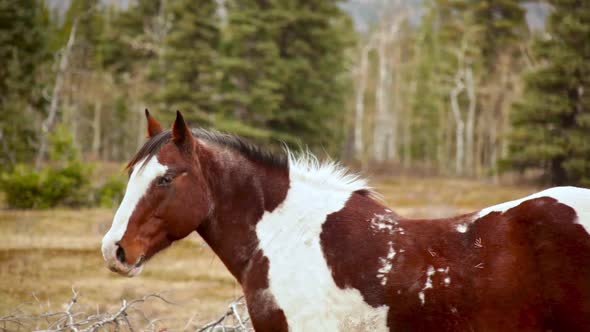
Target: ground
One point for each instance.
(43, 254)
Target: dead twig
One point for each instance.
(74, 319)
(235, 319)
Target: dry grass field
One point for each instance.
(43, 254)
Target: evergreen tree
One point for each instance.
(251, 66)
(552, 121)
(23, 50)
(189, 74)
(131, 27)
(313, 38)
(501, 25)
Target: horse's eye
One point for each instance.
(164, 180)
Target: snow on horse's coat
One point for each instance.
(315, 251)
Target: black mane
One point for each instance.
(251, 151)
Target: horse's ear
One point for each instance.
(153, 126)
(181, 134)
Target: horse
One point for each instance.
(315, 249)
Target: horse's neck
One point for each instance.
(258, 207)
(242, 191)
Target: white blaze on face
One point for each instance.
(139, 182)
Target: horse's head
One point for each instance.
(167, 198)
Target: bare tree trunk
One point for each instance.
(396, 112)
(472, 102)
(359, 114)
(382, 125)
(459, 127)
(49, 122)
(407, 126)
(385, 131)
(97, 130)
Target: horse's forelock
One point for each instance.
(149, 149)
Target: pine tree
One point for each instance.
(312, 40)
(501, 25)
(23, 50)
(189, 74)
(552, 121)
(130, 45)
(251, 66)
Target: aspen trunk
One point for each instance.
(385, 129)
(459, 128)
(96, 130)
(380, 133)
(49, 122)
(472, 102)
(359, 114)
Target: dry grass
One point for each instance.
(44, 253)
(443, 197)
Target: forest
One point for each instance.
(448, 106)
(443, 87)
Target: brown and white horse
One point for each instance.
(314, 251)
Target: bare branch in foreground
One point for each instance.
(235, 319)
(73, 318)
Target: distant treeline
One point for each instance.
(465, 90)
(471, 91)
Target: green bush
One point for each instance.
(64, 181)
(111, 192)
(52, 186)
(22, 187)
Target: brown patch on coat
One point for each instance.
(527, 269)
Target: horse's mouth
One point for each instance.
(139, 261)
(129, 270)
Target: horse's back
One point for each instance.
(522, 265)
(550, 234)
(576, 198)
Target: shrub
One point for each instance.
(66, 185)
(111, 192)
(63, 181)
(22, 187)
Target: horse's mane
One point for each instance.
(236, 143)
(304, 166)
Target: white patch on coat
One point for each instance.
(461, 228)
(139, 182)
(299, 277)
(383, 222)
(386, 264)
(576, 198)
(427, 285)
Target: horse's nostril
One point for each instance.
(120, 254)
